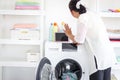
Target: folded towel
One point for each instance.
(27, 7)
(24, 26)
(28, 3)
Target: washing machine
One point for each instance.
(59, 53)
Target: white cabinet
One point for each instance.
(109, 11)
(16, 41)
(19, 45)
(111, 19)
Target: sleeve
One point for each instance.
(81, 33)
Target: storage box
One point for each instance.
(25, 34)
(32, 57)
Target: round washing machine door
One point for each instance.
(68, 66)
(44, 69)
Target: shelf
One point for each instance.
(21, 12)
(109, 14)
(115, 44)
(117, 66)
(21, 42)
(18, 64)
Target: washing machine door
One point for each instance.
(44, 69)
(68, 66)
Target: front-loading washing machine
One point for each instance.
(61, 54)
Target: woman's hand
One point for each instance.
(67, 30)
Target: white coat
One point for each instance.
(91, 31)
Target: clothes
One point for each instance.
(91, 31)
(101, 75)
(68, 67)
(46, 71)
(69, 76)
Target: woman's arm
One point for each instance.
(68, 32)
(81, 32)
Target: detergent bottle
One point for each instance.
(51, 32)
(55, 29)
(62, 27)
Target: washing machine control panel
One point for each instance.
(69, 47)
(61, 47)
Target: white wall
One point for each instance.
(58, 11)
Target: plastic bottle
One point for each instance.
(55, 29)
(51, 32)
(62, 27)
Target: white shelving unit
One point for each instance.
(18, 64)
(21, 42)
(111, 20)
(115, 44)
(8, 41)
(22, 12)
(13, 52)
(109, 15)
